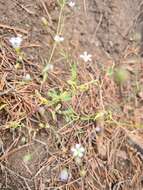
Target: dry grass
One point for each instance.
(31, 123)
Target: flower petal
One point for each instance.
(80, 154)
(73, 149)
(77, 146)
(82, 149)
(71, 4)
(75, 153)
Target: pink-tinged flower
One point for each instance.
(64, 175)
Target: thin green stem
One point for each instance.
(55, 43)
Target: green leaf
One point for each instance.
(69, 114)
(57, 97)
(110, 71)
(65, 96)
(83, 87)
(42, 99)
(121, 75)
(53, 94)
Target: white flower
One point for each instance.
(48, 67)
(16, 41)
(86, 57)
(64, 175)
(27, 77)
(78, 151)
(58, 38)
(71, 4)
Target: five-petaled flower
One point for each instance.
(16, 42)
(58, 38)
(78, 151)
(86, 57)
(71, 4)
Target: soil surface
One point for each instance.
(110, 30)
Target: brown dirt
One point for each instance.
(107, 30)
